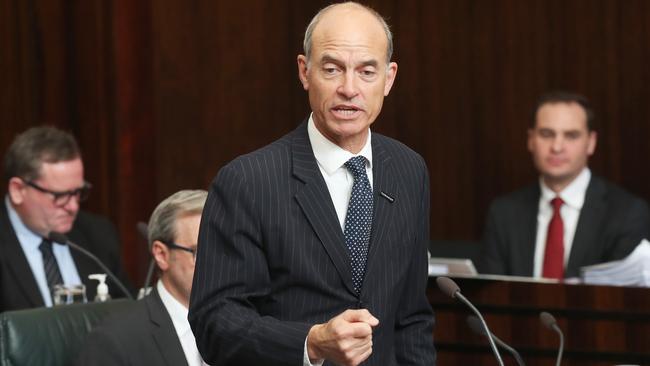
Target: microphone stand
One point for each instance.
(451, 289)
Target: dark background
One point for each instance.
(161, 93)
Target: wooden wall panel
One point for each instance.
(161, 94)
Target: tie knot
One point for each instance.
(356, 166)
(557, 203)
(46, 246)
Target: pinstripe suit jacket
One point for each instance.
(272, 259)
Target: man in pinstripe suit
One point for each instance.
(274, 278)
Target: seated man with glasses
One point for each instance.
(45, 187)
(155, 331)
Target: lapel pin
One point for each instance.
(386, 196)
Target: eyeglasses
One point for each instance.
(172, 245)
(62, 198)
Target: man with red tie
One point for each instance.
(570, 218)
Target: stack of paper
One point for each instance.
(634, 270)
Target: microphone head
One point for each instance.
(547, 319)
(58, 237)
(143, 229)
(475, 325)
(447, 286)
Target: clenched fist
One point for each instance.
(345, 339)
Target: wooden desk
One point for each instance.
(602, 325)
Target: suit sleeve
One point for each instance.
(635, 227)
(414, 321)
(493, 259)
(231, 278)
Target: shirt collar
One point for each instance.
(177, 311)
(330, 156)
(27, 238)
(573, 195)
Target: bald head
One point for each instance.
(347, 72)
(349, 13)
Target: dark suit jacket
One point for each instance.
(18, 288)
(611, 224)
(272, 259)
(141, 335)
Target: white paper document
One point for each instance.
(634, 270)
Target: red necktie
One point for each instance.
(554, 253)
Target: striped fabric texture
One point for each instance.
(272, 259)
(52, 272)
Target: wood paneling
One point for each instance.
(163, 93)
(602, 325)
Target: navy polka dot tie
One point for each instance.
(358, 222)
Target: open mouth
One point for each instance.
(345, 111)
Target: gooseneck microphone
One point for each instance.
(63, 239)
(549, 322)
(451, 289)
(476, 326)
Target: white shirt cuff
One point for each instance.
(305, 358)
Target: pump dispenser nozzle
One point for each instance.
(102, 288)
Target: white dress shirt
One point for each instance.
(574, 198)
(29, 242)
(331, 159)
(178, 313)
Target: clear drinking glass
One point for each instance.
(69, 294)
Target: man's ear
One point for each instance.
(531, 137)
(160, 254)
(391, 73)
(593, 140)
(16, 189)
(302, 71)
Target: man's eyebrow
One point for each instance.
(328, 58)
(372, 63)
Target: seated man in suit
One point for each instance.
(45, 187)
(155, 331)
(570, 218)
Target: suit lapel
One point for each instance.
(384, 181)
(528, 230)
(16, 261)
(316, 203)
(163, 331)
(591, 215)
(85, 265)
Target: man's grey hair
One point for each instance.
(35, 146)
(162, 224)
(306, 44)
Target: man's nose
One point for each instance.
(348, 87)
(73, 203)
(558, 144)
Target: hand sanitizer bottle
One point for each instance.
(102, 288)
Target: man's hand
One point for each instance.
(345, 339)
